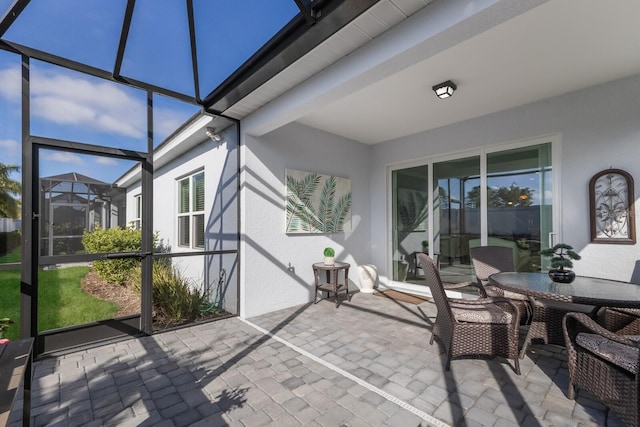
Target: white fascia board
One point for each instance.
(171, 149)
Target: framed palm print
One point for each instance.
(611, 200)
(317, 203)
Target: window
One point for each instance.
(191, 211)
(137, 215)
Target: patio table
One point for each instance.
(547, 318)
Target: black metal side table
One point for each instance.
(331, 282)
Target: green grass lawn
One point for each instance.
(13, 256)
(61, 301)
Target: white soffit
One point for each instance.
(555, 48)
(375, 21)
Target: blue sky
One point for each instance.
(73, 106)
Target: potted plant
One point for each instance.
(425, 246)
(329, 256)
(561, 262)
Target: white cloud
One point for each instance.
(77, 101)
(87, 103)
(9, 146)
(106, 161)
(63, 157)
(10, 87)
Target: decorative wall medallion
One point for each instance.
(611, 204)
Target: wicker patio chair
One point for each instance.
(622, 321)
(605, 364)
(625, 321)
(472, 327)
(488, 260)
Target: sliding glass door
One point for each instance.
(410, 214)
(498, 197)
(456, 216)
(519, 202)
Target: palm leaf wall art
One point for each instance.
(317, 203)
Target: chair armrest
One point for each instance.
(504, 303)
(451, 286)
(574, 323)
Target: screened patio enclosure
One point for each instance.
(72, 203)
(98, 92)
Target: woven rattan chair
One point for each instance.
(605, 364)
(624, 321)
(488, 260)
(472, 327)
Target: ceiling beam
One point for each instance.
(124, 36)
(194, 50)
(92, 71)
(289, 45)
(11, 15)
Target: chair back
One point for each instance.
(433, 280)
(488, 260)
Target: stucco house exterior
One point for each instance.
(577, 133)
(544, 97)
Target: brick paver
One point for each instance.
(365, 363)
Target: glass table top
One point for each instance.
(582, 290)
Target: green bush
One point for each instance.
(113, 240)
(9, 241)
(175, 297)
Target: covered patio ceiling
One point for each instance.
(500, 53)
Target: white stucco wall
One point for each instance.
(598, 127)
(219, 163)
(268, 283)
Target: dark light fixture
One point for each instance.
(213, 134)
(445, 89)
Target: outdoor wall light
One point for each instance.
(211, 133)
(445, 89)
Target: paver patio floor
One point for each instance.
(366, 363)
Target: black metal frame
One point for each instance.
(317, 21)
(53, 341)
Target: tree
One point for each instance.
(501, 197)
(9, 205)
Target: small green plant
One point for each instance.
(176, 298)
(425, 245)
(4, 324)
(329, 252)
(561, 256)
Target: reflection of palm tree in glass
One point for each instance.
(9, 206)
(413, 211)
(501, 197)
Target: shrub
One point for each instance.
(175, 298)
(9, 241)
(113, 240)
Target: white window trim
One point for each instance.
(191, 213)
(137, 211)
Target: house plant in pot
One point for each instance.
(329, 256)
(562, 257)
